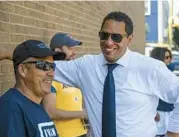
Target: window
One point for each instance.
(147, 5)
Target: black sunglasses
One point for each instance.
(114, 36)
(42, 65)
(167, 57)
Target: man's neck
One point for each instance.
(27, 93)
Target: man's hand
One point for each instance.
(171, 134)
(85, 116)
(4, 54)
(157, 117)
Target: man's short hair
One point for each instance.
(120, 17)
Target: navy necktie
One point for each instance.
(109, 105)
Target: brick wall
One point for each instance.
(21, 20)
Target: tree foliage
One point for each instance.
(176, 36)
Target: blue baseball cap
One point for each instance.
(61, 39)
(34, 48)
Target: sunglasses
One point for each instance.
(114, 36)
(167, 57)
(42, 65)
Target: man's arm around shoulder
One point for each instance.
(171, 134)
(4, 54)
(49, 103)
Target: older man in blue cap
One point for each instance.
(64, 104)
(21, 113)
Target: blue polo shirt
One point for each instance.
(20, 117)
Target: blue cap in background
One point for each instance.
(61, 39)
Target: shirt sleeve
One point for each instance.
(166, 84)
(11, 120)
(166, 87)
(68, 72)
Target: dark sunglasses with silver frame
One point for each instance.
(42, 65)
(114, 36)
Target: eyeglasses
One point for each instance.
(114, 36)
(167, 57)
(42, 65)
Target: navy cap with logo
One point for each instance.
(61, 39)
(34, 48)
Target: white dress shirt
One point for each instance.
(139, 83)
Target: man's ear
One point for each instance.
(130, 37)
(22, 70)
(58, 49)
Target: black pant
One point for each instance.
(160, 135)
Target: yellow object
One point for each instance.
(69, 99)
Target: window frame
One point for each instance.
(147, 5)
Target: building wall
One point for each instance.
(22, 20)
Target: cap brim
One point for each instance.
(56, 55)
(79, 43)
(72, 42)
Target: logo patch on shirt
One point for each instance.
(76, 98)
(47, 129)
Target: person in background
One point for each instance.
(64, 98)
(21, 113)
(164, 109)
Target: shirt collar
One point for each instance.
(123, 61)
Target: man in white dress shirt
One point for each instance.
(139, 82)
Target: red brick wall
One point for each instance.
(21, 20)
